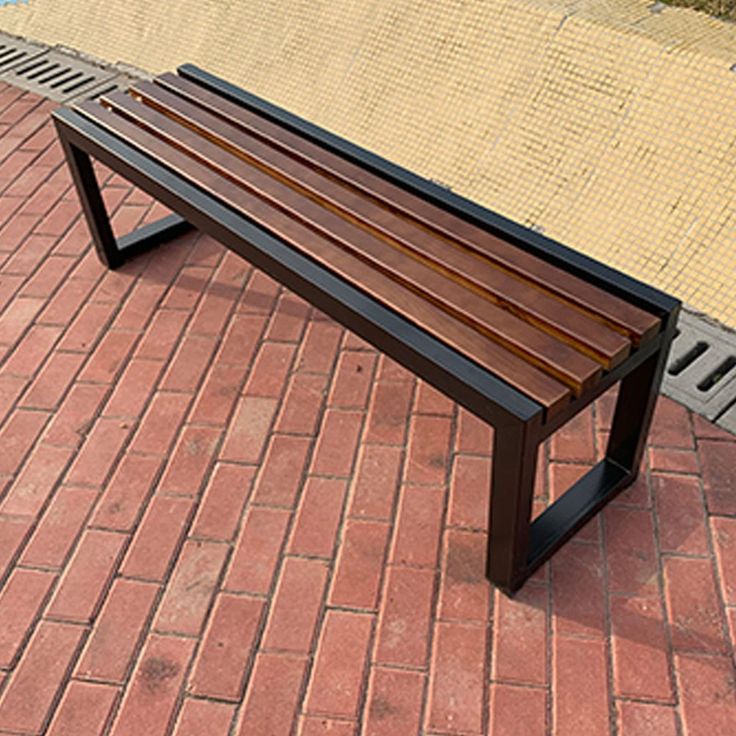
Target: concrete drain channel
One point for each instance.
(702, 370)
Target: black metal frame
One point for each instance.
(517, 546)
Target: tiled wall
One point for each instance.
(608, 125)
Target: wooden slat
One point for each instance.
(619, 314)
(550, 393)
(555, 357)
(522, 298)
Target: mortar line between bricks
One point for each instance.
(647, 701)
(75, 544)
(283, 555)
(248, 504)
(717, 577)
(700, 653)
(213, 461)
(43, 568)
(210, 699)
(666, 446)
(399, 667)
(276, 341)
(685, 555)
(465, 624)
(520, 684)
(676, 473)
(717, 440)
(661, 703)
(66, 622)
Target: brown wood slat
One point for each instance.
(541, 349)
(548, 392)
(523, 299)
(617, 313)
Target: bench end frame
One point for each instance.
(518, 546)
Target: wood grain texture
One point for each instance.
(496, 358)
(618, 314)
(555, 357)
(476, 272)
(543, 330)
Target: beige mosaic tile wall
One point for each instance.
(610, 126)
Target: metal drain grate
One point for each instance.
(13, 52)
(57, 76)
(59, 73)
(119, 82)
(702, 370)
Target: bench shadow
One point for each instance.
(152, 269)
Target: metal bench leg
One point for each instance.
(113, 253)
(517, 547)
(584, 499)
(512, 493)
(634, 411)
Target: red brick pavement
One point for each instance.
(222, 514)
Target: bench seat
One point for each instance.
(519, 329)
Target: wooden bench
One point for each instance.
(515, 327)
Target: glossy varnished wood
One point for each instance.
(474, 271)
(550, 393)
(547, 332)
(602, 306)
(540, 349)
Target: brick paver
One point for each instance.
(222, 514)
